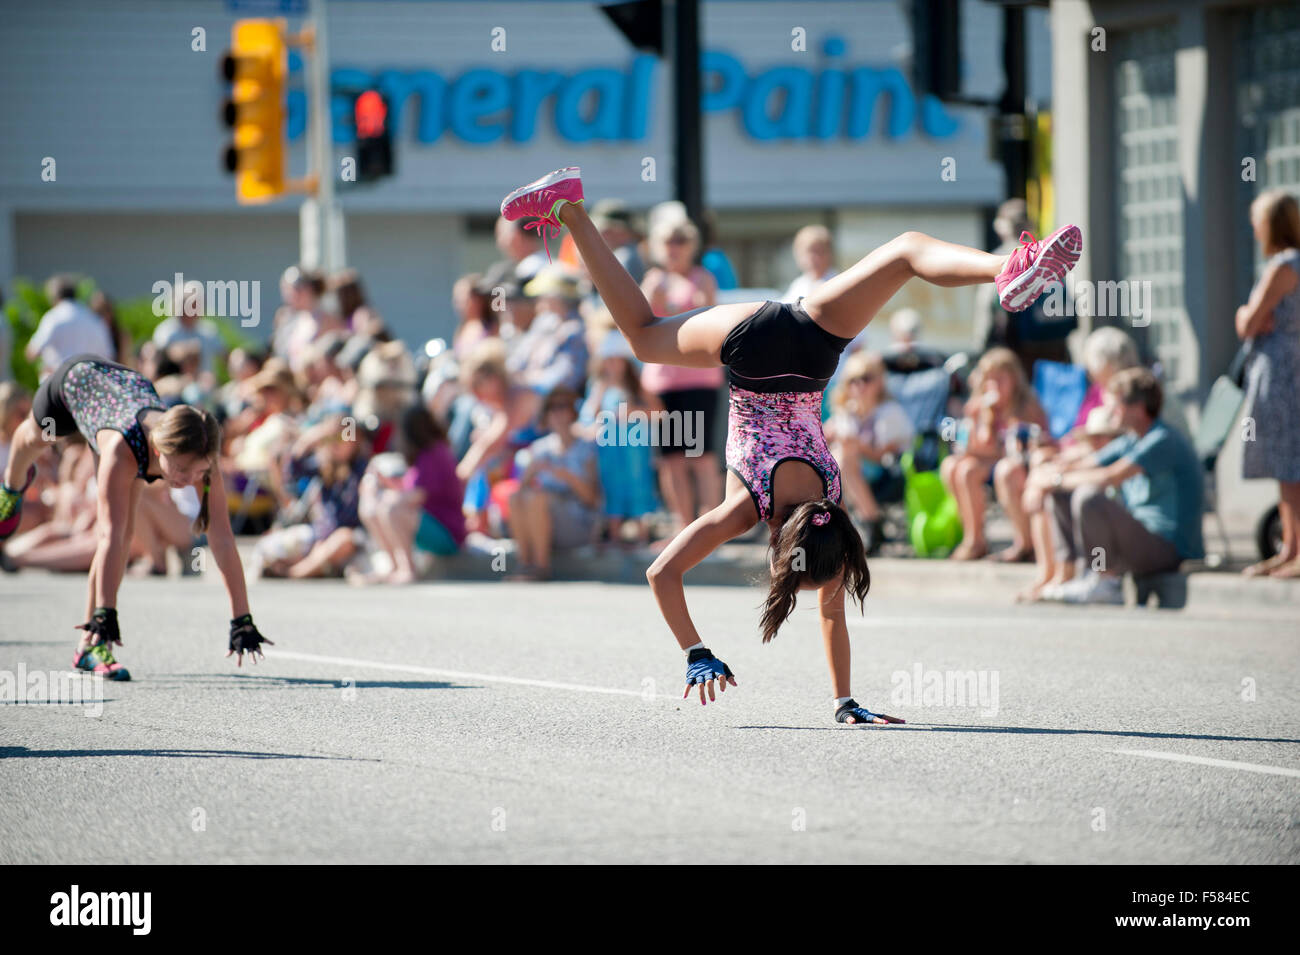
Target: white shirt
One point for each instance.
(172, 332)
(68, 329)
(803, 285)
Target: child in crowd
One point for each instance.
(1000, 417)
(421, 508)
(866, 429)
(558, 500)
(627, 475)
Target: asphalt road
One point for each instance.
(492, 722)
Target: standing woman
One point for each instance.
(692, 484)
(123, 420)
(1270, 324)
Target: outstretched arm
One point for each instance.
(835, 634)
(703, 536)
(221, 541)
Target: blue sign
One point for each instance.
(601, 104)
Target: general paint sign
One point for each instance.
(838, 100)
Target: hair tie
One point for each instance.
(822, 518)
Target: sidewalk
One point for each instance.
(745, 564)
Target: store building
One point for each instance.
(808, 115)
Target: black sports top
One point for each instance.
(781, 349)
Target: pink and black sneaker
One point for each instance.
(543, 200)
(11, 505)
(1036, 265)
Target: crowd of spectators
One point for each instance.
(349, 453)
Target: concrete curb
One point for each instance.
(746, 565)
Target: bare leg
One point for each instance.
(1009, 482)
(1289, 513)
(402, 520)
(333, 551)
(27, 446)
(856, 489)
(847, 303)
(708, 483)
(693, 339)
(682, 494)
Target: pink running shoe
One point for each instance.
(1035, 265)
(543, 199)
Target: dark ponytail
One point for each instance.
(816, 543)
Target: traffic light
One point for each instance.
(936, 47)
(374, 137)
(256, 66)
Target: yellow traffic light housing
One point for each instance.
(257, 67)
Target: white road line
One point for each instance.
(1207, 761)
(456, 674)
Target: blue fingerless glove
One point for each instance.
(702, 666)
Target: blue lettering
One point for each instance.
(474, 97)
(868, 85)
(792, 122)
(780, 103)
(531, 90)
(636, 104)
(935, 120)
(602, 119)
(730, 81)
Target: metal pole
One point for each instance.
(688, 142)
(321, 227)
(1014, 126)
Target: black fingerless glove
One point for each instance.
(244, 636)
(102, 627)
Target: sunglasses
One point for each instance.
(677, 240)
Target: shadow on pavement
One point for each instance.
(22, 752)
(1046, 730)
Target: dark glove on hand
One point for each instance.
(702, 666)
(102, 627)
(245, 638)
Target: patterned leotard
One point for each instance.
(764, 430)
(779, 362)
(101, 395)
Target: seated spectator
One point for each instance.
(1155, 523)
(552, 352)
(623, 455)
(66, 541)
(499, 420)
(1106, 351)
(905, 353)
(616, 224)
(557, 504)
(421, 508)
(327, 463)
(814, 254)
(867, 429)
(354, 314)
(385, 382)
(1000, 418)
(185, 323)
(472, 303)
